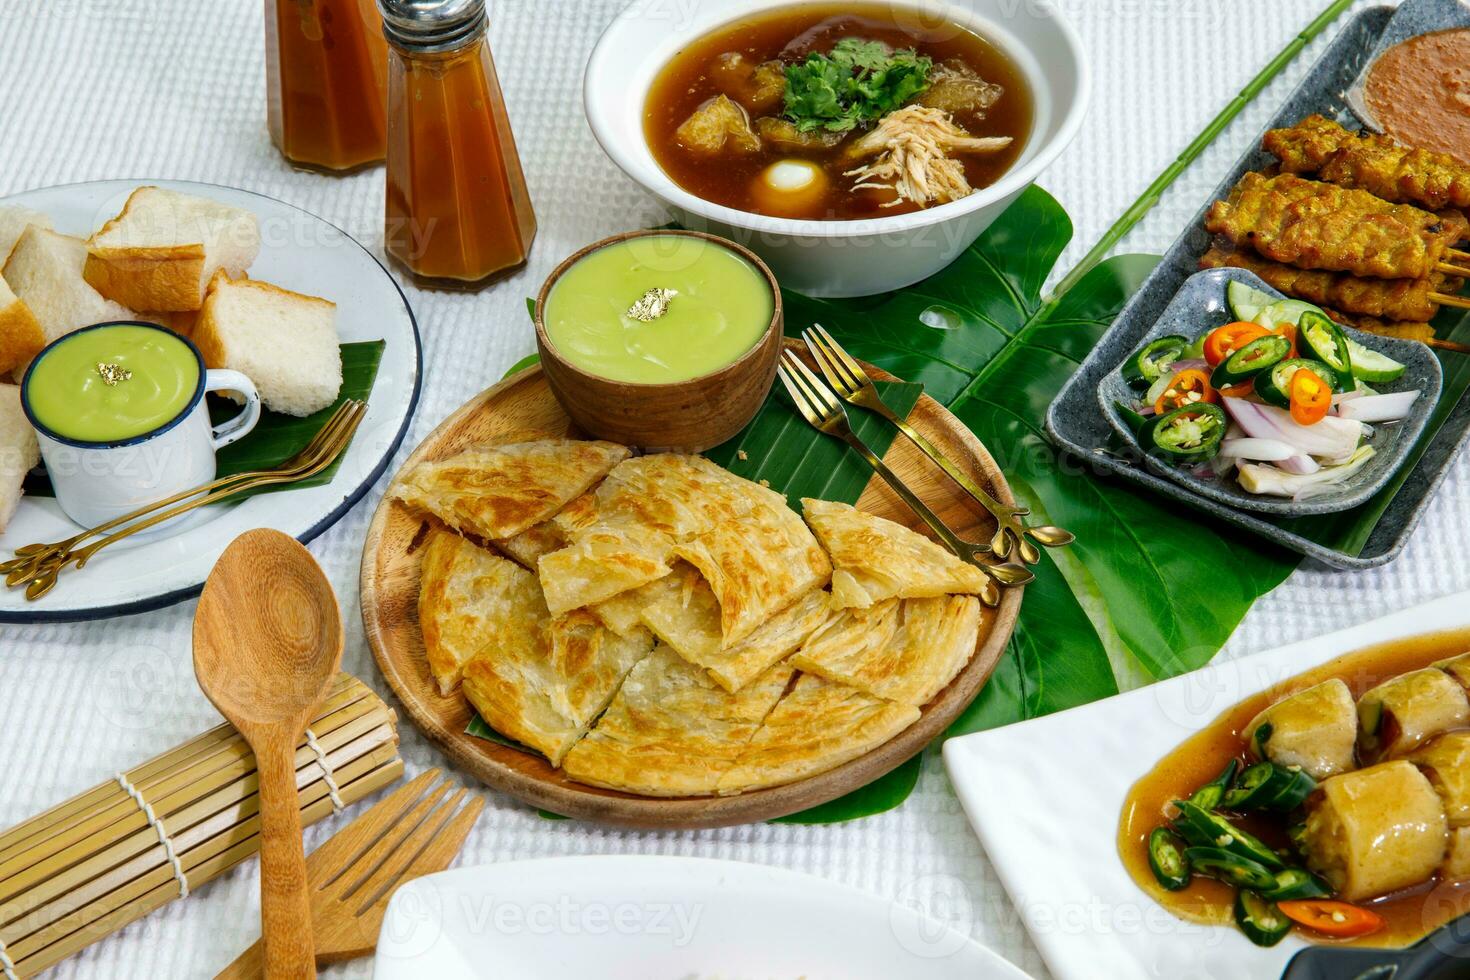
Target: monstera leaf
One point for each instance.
(1150, 589)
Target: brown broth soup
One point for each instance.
(725, 62)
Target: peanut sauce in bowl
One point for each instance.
(1418, 91)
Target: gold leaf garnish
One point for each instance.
(111, 374)
(652, 304)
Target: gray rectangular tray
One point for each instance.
(1073, 420)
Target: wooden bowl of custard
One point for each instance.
(608, 340)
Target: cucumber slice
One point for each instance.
(1246, 301)
(1284, 311)
(1372, 365)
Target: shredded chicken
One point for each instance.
(913, 147)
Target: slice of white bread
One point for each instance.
(21, 337)
(163, 248)
(45, 271)
(13, 221)
(285, 342)
(18, 451)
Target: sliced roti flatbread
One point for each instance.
(466, 592)
(498, 492)
(623, 613)
(600, 564)
(671, 731)
(818, 726)
(542, 680)
(754, 552)
(903, 650)
(757, 564)
(875, 559)
(528, 547)
(689, 622)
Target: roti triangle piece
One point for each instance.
(688, 620)
(757, 565)
(499, 491)
(528, 546)
(754, 551)
(875, 559)
(462, 598)
(903, 650)
(623, 613)
(818, 726)
(671, 731)
(542, 680)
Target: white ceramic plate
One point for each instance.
(663, 918)
(298, 251)
(1044, 797)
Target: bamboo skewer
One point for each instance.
(1443, 299)
(1457, 254)
(87, 867)
(1453, 270)
(1449, 345)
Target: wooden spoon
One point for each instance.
(267, 645)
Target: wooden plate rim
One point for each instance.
(680, 813)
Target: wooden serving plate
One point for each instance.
(522, 407)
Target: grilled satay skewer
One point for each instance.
(1370, 162)
(1412, 300)
(1314, 225)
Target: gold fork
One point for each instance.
(852, 384)
(353, 875)
(33, 554)
(820, 407)
(41, 574)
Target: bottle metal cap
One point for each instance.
(432, 25)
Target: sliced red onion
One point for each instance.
(1346, 396)
(1194, 363)
(1379, 408)
(1261, 450)
(1331, 438)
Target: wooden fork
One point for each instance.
(411, 833)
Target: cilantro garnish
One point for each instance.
(859, 82)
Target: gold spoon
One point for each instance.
(267, 645)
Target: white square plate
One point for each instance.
(1044, 796)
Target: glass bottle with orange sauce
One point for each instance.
(458, 213)
(326, 82)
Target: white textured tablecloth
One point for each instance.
(94, 89)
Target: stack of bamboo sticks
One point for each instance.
(87, 868)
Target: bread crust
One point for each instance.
(162, 278)
(21, 336)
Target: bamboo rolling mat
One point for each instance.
(90, 866)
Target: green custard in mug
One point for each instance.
(715, 306)
(154, 376)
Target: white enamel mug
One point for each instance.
(96, 482)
